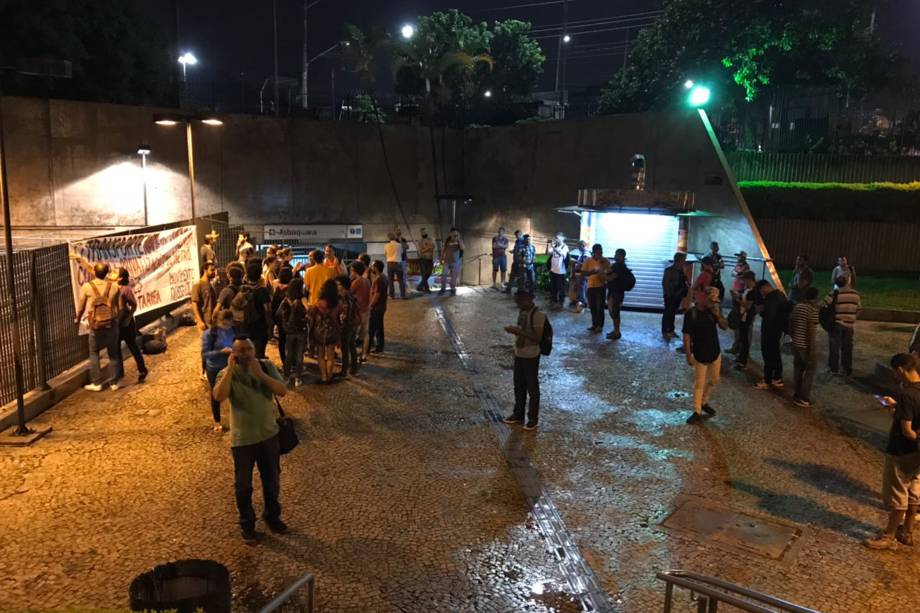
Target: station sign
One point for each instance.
(294, 234)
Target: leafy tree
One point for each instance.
(745, 49)
(117, 52)
(517, 61)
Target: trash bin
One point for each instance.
(184, 586)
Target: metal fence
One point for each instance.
(822, 168)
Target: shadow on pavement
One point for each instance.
(831, 480)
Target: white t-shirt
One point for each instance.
(557, 258)
(393, 250)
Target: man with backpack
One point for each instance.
(620, 280)
(251, 306)
(99, 303)
(235, 273)
(292, 319)
(533, 338)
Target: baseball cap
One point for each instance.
(741, 254)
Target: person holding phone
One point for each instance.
(901, 475)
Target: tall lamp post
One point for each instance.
(144, 151)
(169, 120)
(187, 59)
(334, 47)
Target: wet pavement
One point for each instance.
(406, 495)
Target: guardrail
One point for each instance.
(309, 580)
(711, 591)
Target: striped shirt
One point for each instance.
(803, 325)
(848, 306)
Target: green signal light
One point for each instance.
(699, 96)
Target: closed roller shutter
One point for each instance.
(650, 242)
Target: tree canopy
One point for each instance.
(743, 49)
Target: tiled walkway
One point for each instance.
(400, 497)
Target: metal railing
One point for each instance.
(710, 592)
(307, 580)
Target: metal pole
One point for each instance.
(305, 73)
(333, 92)
(275, 44)
(21, 428)
(191, 166)
(565, 58)
(38, 325)
(144, 175)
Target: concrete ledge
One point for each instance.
(890, 315)
(73, 379)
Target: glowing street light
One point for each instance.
(488, 93)
(187, 59)
(566, 39)
(699, 96)
(688, 84)
(407, 31)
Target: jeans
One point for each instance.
(349, 350)
(671, 306)
(513, 276)
(772, 357)
(581, 289)
(267, 456)
(451, 268)
(295, 345)
(705, 379)
(596, 296)
(427, 266)
(527, 383)
(128, 334)
(108, 340)
(805, 362)
(396, 273)
(745, 334)
(557, 287)
(527, 278)
(841, 349)
(375, 326)
(212, 381)
(282, 343)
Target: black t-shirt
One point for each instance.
(704, 335)
(618, 285)
(774, 310)
(908, 409)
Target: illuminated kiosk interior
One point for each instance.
(650, 226)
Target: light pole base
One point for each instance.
(13, 437)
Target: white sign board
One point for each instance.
(162, 265)
(310, 234)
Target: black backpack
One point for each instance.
(546, 340)
(243, 306)
(827, 316)
(629, 282)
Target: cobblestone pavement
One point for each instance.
(400, 498)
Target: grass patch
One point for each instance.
(876, 291)
(851, 187)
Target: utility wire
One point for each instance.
(649, 15)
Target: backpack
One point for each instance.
(827, 316)
(629, 282)
(352, 315)
(243, 306)
(101, 315)
(325, 329)
(546, 340)
(294, 316)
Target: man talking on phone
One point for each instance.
(901, 475)
(250, 383)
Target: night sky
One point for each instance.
(234, 36)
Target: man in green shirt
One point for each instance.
(250, 383)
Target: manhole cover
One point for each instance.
(725, 527)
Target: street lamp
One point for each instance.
(187, 59)
(488, 93)
(174, 120)
(699, 96)
(407, 31)
(143, 151)
(566, 39)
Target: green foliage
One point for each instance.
(517, 62)
(881, 202)
(743, 49)
(367, 111)
(876, 291)
(360, 54)
(118, 52)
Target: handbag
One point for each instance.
(287, 436)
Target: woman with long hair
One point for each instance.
(127, 327)
(326, 328)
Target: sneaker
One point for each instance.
(513, 420)
(277, 526)
(453, 292)
(249, 536)
(762, 385)
(218, 428)
(114, 386)
(709, 410)
(614, 335)
(778, 384)
(141, 377)
(904, 537)
(801, 403)
(882, 542)
(93, 387)
(203, 376)
(531, 425)
(695, 419)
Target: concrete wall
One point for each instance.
(74, 164)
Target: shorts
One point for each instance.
(901, 481)
(614, 302)
(499, 263)
(363, 328)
